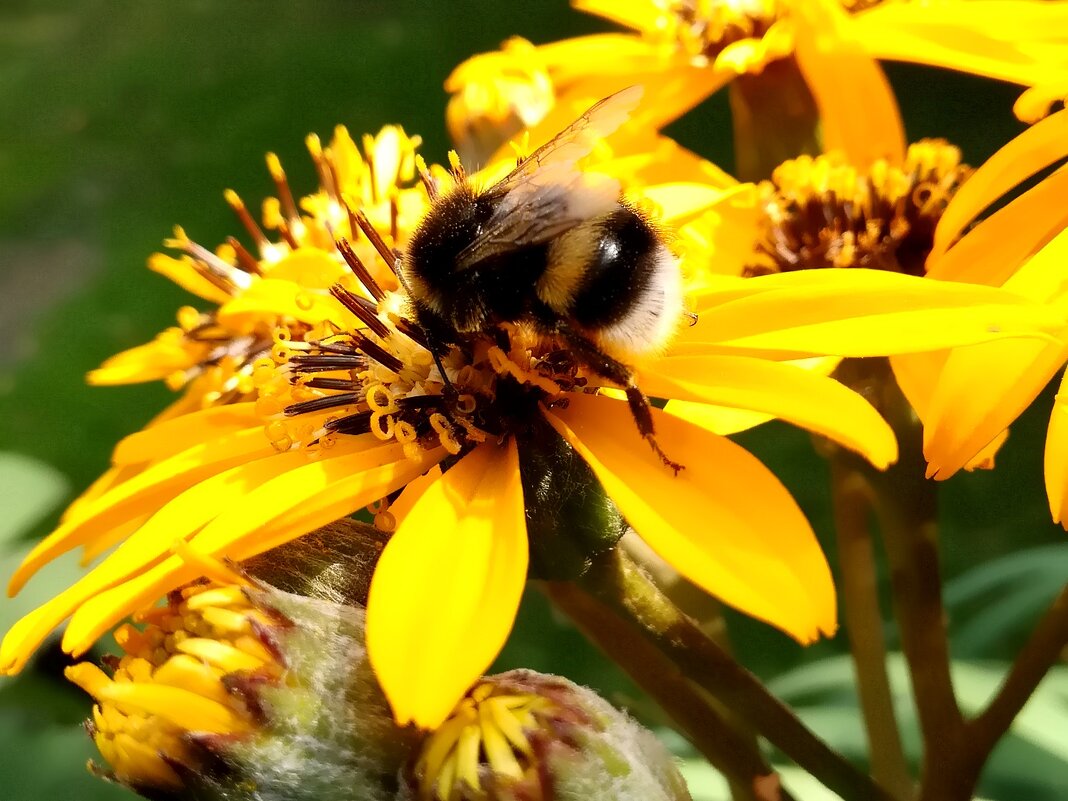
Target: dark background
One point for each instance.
(119, 119)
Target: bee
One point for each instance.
(554, 249)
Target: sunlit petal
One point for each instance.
(1056, 457)
(725, 522)
(445, 592)
(1031, 151)
(981, 390)
(782, 390)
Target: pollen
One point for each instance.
(739, 33)
(823, 212)
(174, 678)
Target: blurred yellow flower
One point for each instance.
(684, 50)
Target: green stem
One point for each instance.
(619, 583)
(736, 757)
(906, 504)
(1045, 646)
(864, 624)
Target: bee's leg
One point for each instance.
(614, 370)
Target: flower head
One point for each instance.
(522, 735)
(479, 457)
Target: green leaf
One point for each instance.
(29, 490)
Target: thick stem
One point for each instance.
(624, 587)
(864, 624)
(907, 508)
(774, 117)
(732, 754)
(1045, 646)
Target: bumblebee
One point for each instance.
(556, 250)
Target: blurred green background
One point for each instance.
(122, 118)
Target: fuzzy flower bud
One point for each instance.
(525, 736)
(240, 691)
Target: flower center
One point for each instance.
(822, 212)
(705, 28)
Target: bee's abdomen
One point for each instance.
(618, 270)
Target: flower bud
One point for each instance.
(237, 691)
(525, 736)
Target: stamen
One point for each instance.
(285, 194)
(315, 148)
(376, 352)
(372, 234)
(245, 260)
(254, 230)
(429, 183)
(320, 404)
(324, 364)
(359, 270)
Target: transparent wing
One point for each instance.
(546, 194)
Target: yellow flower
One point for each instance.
(476, 469)
(974, 394)
(682, 51)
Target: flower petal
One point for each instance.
(271, 298)
(357, 480)
(445, 592)
(168, 437)
(994, 249)
(184, 273)
(143, 494)
(724, 522)
(1033, 150)
(1010, 41)
(856, 312)
(783, 390)
(166, 354)
(858, 112)
(1056, 457)
(981, 390)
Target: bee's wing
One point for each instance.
(546, 194)
(576, 140)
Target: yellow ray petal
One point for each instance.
(311, 268)
(1035, 103)
(445, 592)
(856, 312)
(176, 435)
(995, 248)
(858, 113)
(270, 299)
(183, 273)
(917, 375)
(352, 490)
(1056, 457)
(725, 522)
(992, 38)
(1033, 150)
(144, 493)
(178, 519)
(640, 16)
(161, 357)
(786, 391)
(982, 389)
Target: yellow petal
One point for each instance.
(168, 353)
(354, 485)
(982, 389)
(269, 299)
(1031, 151)
(786, 391)
(178, 519)
(856, 312)
(1035, 103)
(858, 113)
(995, 248)
(310, 268)
(183, 273)
(638, 15)
(1056, 457)
(1013, 41)
(445, 592)
(144, 493)
(173, 436)
(724, 522)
